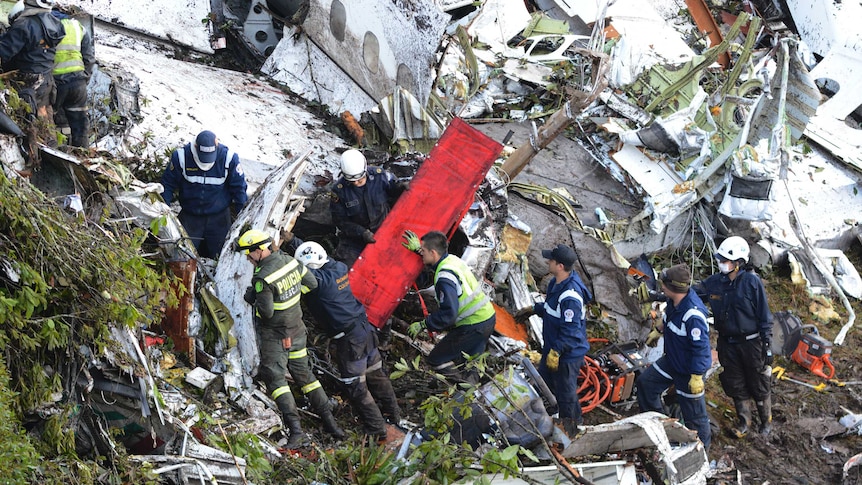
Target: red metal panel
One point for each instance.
(441, 190)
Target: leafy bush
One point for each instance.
(18, 457)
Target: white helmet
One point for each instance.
(311, 254)
(353, 165)
(733, 248)
(40, 3)
(15, 11)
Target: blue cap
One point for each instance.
(206, 145)
(561, 254)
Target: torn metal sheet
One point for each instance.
(377, 45)
(497, 22)
(685, 463)
(401, 117)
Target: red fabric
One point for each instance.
(440, 192)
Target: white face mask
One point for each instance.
(726, 267)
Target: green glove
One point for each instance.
(695, 384)
(652, 338)
(553, 360)
(415, 327)
(411, 241)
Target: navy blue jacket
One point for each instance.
(686, 336)
(739, 306)
(447, 297)
(564, 319)
(355, 209)
(207, 192)
(30, 43)
(332, 303)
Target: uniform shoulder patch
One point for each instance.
(258, 286)
(696, 334)
(569, 314)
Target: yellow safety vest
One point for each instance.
(474, 306)
(68, 57)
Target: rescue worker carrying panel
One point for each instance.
(343, 318)
(360, 201)
(465, 311)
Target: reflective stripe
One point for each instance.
(690, 395)
(374, 367)
(284, 305)
(338, 335)
(281, 272)
(298, 354)
(351, 380)
(281, 390)
(681, 330)
(661, 371)
(473, 307)
(556, 312)
(444, 365)
(181, 157)
(68, 57)
(311, 386)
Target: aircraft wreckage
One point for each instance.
(679, 129)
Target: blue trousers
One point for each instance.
(564, 384)
(656, 379)
(207, 232)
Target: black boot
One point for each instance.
(764, 412)
(331, 426)
(743, 413)
(570, 426)
(380, 387)
(373, 423)
(297, 438)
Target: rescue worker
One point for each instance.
(687, 355)
(28, 47)
(343, 319)
(208, 178)
(73, 65)
(744, 324)
(465, 312)
(277, 284)
(359, 204)
(564, 332)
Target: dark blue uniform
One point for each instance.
(356, 209)
(205, 195)
(744, 325)
(686, 352)
(564, 329)
(344, 320)
(28, 47)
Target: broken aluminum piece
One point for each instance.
(401, 116)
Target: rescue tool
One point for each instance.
(780, 375)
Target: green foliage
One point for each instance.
(248, 447)
(66, 281)
(18, 458)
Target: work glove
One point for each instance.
(767, 352)
(553, 360)
(368, 236)
(523, 314)
(535, 357)
(250, 295)
(652, 338)
(411, 241)
(415, 327)
(695, 384)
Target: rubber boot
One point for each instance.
(373, 423)
(331, 426)
(764, 412)
(381, 388)
(297, 438)
(743, 413)
(570, 426)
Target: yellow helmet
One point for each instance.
(251, 240)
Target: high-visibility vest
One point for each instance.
(68, 57)
(474, 306)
